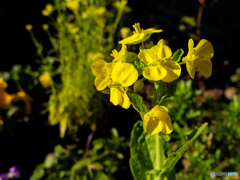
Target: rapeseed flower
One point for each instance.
(199, 58)
(48, 10)
(160, 66)
(122, 76)
(123, 55)
(22, 96)
(102, 70)
(45, 79)
(157, 120)
(139, 35)
(73, 4)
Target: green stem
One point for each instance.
(159, 154)
(182, 63)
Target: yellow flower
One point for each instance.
(5, 100)
(3, 84)
(157, 120)
(199, 58)
(122, 76)
(123, 55)
(48, 10)
(45, 26)
(22, 96)
(45, 79)
(139, 35)
(73, 4)
(102, 71)
(160, 66)
(28, 27)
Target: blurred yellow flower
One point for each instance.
(157, 120)
(45, 26)
(45, 79)
(199, 58)
(28, 27)
(123, 75)
(22, 96)
(6, 99)
(48, 10)
(139, 35)
(125, 32)
(73, 4)
(160, 66)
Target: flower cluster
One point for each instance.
(157, 63)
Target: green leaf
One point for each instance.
(11, 111)
(100, 176)
(140, 161)
(175, 156)
(58, 150)
(50, 160)
(114, 134)
(38, 172)
(136, 101)
(79, 165)
(177, 55)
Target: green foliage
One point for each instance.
(143, 153)
(102, 161)
(140, 160)
(174, 157)
(136, 101)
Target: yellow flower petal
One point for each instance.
(114, 96)
(190, 68)
(134, 39)
(190, 47)
(204, 66)
(173, 71)
(154, 73)
(119, 97)
(124, 74)
(204, 49)
(157, 120)
(97, 66)
(161, 50)
(102, 81)
(147, 56)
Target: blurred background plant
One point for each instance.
(60, 83)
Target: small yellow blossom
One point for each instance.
(199, 58)
(160, 66)
(123, 75)
(45, 26)
(48, 10)
(125, 32)
(73, 4)
(28, 27)
(139, 35)
(123, 55)
(45, 79)
(157, 120)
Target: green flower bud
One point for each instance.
(138, 85)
